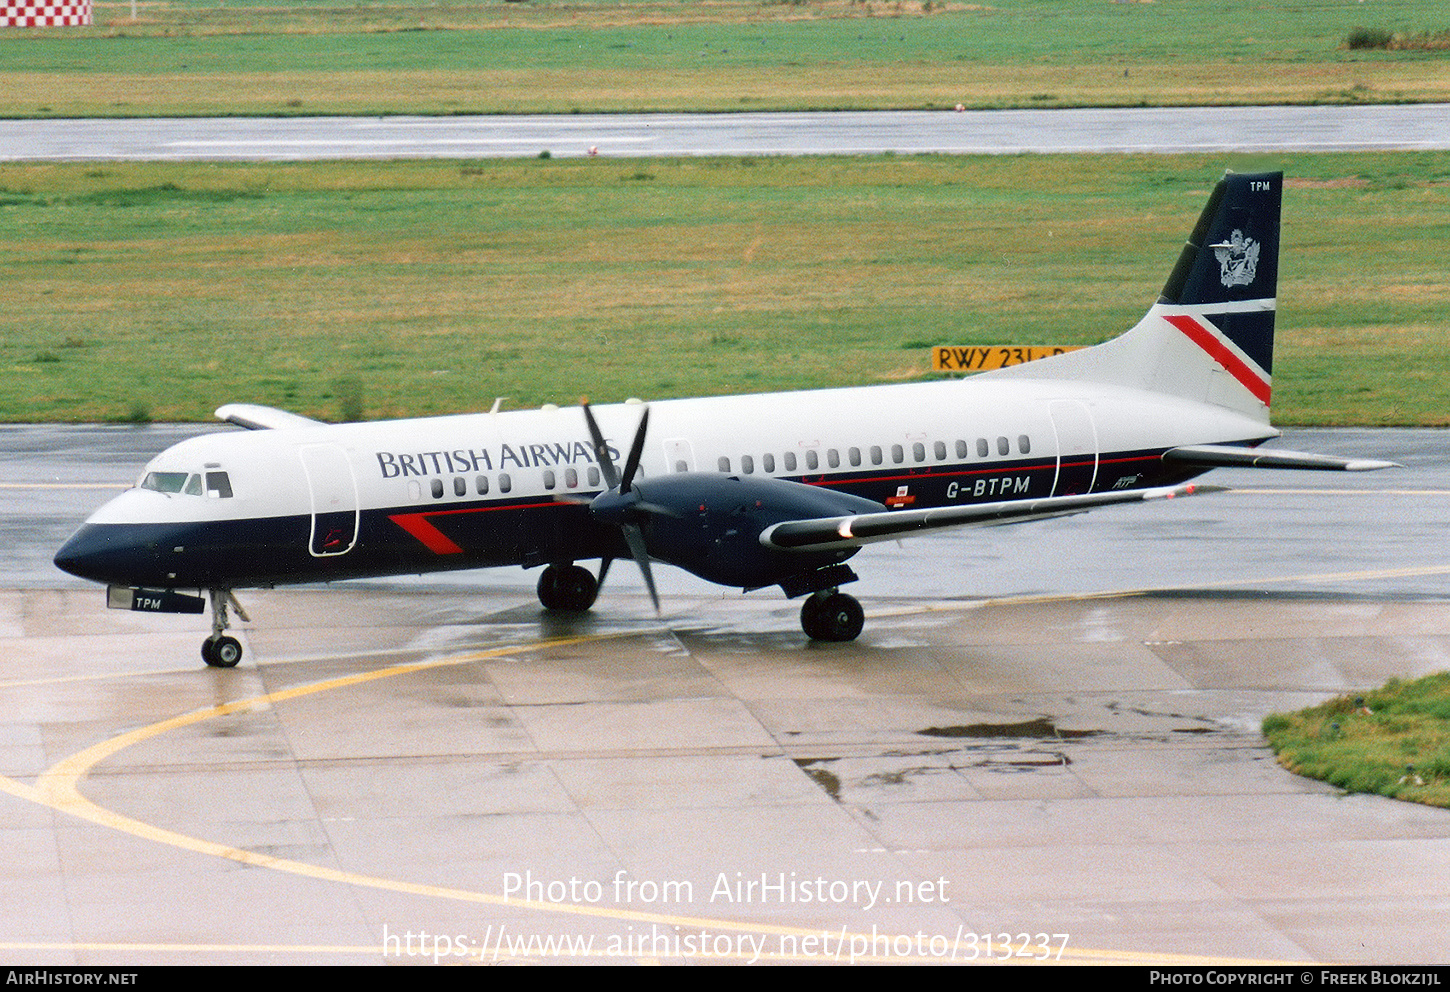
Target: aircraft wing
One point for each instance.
(255, 417)
(828, 533)
(1230, 456)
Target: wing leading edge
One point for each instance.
(255, 417)
(854, 531)
(1231, 456)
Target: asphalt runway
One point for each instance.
(1044, 746)
(1161, 130)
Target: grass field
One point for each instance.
(1393, 741)
(379, 289)
(190, 57)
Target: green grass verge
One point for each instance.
(411, 288)
(204, 57)
(1393, 741)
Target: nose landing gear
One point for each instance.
(220, 650)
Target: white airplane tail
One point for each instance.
(1210, 336)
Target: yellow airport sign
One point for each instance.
(980, 358)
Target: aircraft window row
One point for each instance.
(482, 484)
(217, 485)
(875, 454)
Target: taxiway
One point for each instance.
(1044, 745)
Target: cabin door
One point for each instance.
(334, 500)
(1077, 448)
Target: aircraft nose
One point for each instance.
(103, 553)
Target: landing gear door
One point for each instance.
(334, 499)
(1077, 448)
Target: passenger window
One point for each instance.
(219, 485)
(854, 454)
(833, 458)
(897, 455)
(571, 478)
(504, 482)
(790, 461)
(747, 464)
(767, 462)
(961, 448)
(1003, 447)
(437, 487)
(460, 486)
(680, 466)
(593, 476)
(918, 451)
(812, 461)
(941, 450)
(875, 454)
(481, 484)
(982, 450)
(724, 463)
(1024, 444)
(548, 478)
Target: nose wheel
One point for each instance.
(220, 650)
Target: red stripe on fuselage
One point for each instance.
(434, 539)
(1219, 352)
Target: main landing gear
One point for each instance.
(831, 615)
(570, 588)
(827, 615)
(219, 650)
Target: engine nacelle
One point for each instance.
(710, 524)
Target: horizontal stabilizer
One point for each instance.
(255, 417)
(1228, 456)
(827, 533)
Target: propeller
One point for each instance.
(621, 504)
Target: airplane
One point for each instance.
(748, 491)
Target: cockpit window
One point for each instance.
(165, 482)
(217, 485)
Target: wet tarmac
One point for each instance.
(1045, 745)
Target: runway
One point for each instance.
(1044, 747)
(1158, 130)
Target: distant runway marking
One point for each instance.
(63, 485)
(59, 789)
(1339, 492)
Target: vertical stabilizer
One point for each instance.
(1210, 336)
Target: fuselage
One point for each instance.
(318, 503)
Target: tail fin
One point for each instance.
(1210, 336)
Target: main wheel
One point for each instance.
(832, 616)
(567, 587)
(221, 652)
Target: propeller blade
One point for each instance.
(601, 450)
(631, 464)
(635, 539)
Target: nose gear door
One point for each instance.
(334, 499)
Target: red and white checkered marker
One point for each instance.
(41, 14)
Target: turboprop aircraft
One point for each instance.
(748, 491)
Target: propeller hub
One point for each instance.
(615, 507)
